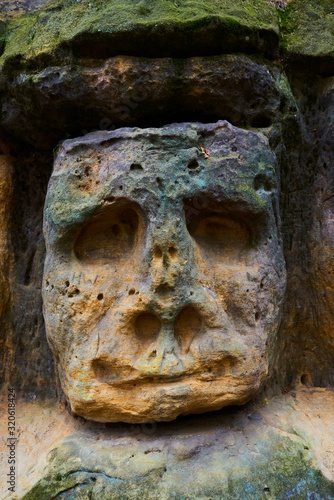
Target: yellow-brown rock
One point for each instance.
(164, 272)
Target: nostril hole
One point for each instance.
(147, 325)
(188, 324)
(172, 252)
(157, 253)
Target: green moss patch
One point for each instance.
(308, 32)
(102, 28)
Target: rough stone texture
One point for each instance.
(6, 256)
(307, 203)
(137, 91)
(10, 9)
(277, 450)
(40, 108)
(159, 28)
(308, 34)
(6, 186)
(164, 274)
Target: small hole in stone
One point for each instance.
(193, 164)
(234, 148)
(94, 479)
(157, 253)
(261, 285)
(257, 316)
(247, 290)
(136, 166)
(100, 296)
(261, 181)
(67, 283)
(172, 252)
(266, 489)
(306, 448)
(160, 183)
(120, 187)
(109, 198)
(305, 379)
(132, 291)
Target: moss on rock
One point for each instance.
(308, 32)
(280, 469)
(159, 27)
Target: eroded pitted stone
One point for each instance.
(164, 272)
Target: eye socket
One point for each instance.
(109, 236)
(220, 235)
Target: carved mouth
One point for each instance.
(124, 376)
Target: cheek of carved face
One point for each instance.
(158, 306)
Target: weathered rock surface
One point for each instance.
(10, 9)
(308, 35)
(136, 91)
(280, 75)
(164, 273)
(277, 450)
(159, 28)
(6, 187)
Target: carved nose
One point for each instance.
(166, 266)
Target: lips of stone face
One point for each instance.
(164, 272)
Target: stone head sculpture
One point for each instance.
(164, 273)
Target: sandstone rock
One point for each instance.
(63, 30)
(273, 450)
(132, 91)
(78, 66)
(6, 186)
(308, 34)
(164, 272)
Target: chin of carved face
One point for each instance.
(164, 273)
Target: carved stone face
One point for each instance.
(164, 273)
